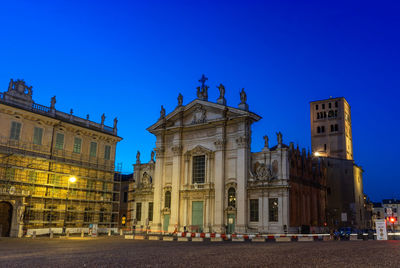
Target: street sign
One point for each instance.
(94, 229)
(381, 233)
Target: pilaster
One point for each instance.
(176, 179)
(158, 181)
(241, 172)
(219, 225)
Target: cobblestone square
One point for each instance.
(118, 252)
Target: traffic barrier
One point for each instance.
(139, 237)
(128, 236)
(197, 239)
(237, 239)
(168, 238)
(183, 239)
(154, 237)
(258, 239)
(305, 239)
(283, 239)
(34, 235)
(216, 239)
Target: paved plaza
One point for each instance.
(118, 252)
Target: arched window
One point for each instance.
(231, 197)
(167, 199)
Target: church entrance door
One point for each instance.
(197, 215)
(166, 222)
(231, 223)
(5, 218)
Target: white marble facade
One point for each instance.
(205, 166)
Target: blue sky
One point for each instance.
(127, 58)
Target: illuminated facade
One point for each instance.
(206, 178)
(331, 134)
(41, 149)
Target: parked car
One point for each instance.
(345, 232)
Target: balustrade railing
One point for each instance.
(38, 108)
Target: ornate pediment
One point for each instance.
(198, 112)
(199, 150)
(19, 92)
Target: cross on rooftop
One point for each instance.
(203, 80)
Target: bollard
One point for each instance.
(51, 234)
(121, 232)
(34, 234)
(67, 235)
(82, 234)
(109, 232)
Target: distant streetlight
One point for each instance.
(71, 179)
(316, 154)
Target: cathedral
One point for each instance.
(204, 177)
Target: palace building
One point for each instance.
(206, 178)
(56, 169)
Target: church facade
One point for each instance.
(205, 178)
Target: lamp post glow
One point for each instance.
(71, 179)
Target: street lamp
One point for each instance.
(71, 179)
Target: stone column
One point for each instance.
(241, 173)
(219, 187)
(158, 182)
(176, 179)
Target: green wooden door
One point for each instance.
(197, 214)
(231, 223)
(166, 222)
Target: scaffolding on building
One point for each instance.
(40, 174)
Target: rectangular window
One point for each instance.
(15, 131)
(93, 149)
(336, 104)
(60, 141)
(322, 129)
(37, 135)
(139, 211)
(332, 128)
(316, 107)
(273, 209)
(330, 105)
(323, 106)
(125, 197)
(77, 145)
(150, 216)
(199, 168)
(253, 209)
(325, 147)
(107, 152)
(336, 127)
